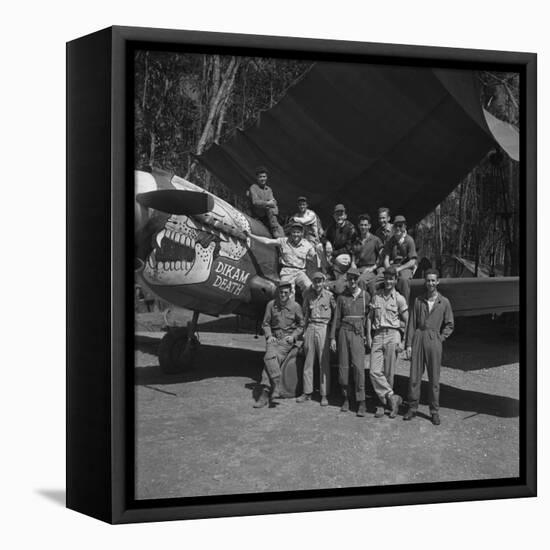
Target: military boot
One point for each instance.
(345, 404)
(362, 409)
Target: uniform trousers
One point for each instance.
(275, 354)
(295, 276)
(383, 359)
(426, 353)
(351, 350)
(316, 346)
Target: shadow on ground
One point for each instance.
(219, 362)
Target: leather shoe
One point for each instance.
(436, 421)
(395, 402)
(379, 412)
(324, 401)
(345, 405)
(262, 401)
(362, 409)
(303, 398)
(409, 415)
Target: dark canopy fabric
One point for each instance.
(365, 136)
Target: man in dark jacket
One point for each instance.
(338, 240)
(263, 203)
(430, 324)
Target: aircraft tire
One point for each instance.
(172, 353)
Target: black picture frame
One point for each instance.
(100, 300)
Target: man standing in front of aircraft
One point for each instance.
(283, 324)
(294, 254)
(264, 205)
(349, 318)
(387, 318)
(431, 323)
(318, 309)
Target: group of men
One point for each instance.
(365, 303)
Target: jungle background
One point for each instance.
(185, 102)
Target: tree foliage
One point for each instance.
(185, 102)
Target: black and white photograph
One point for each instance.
(327, 273)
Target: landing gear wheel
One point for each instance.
(175, 356)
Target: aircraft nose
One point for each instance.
(176, 201)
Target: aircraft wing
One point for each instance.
(366, 136)
(476, 295)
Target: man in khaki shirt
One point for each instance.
(318, 308)
(387, 317)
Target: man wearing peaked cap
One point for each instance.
(282, 325)
(318, 308)
(349, 318)
(294, 254)
(400, 252)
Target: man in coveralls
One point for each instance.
(349, 317)
(283, 324)
(319, 305)
(431, 323)
(387, 318)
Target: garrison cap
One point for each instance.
(319, 275)
(353, 272)
(339, 208)
(399, 219)
(390, 272)
(261, 170)
(301, 199)
(295, 223)
(284, 284)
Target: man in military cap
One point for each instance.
(338, 241)
(263, 203)
(400, 253)
(294, 254)
(349, 317)
(387, 319)
(283, 324)
(313, 230)
(319, 305)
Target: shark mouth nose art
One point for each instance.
(185, 250)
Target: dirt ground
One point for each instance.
(197, 433)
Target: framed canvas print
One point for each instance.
(301, 275)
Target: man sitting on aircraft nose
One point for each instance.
(264, 205)
(294, 253)
(283, 324)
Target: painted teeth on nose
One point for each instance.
(178, 265)
(160, 236)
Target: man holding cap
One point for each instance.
(294, 253)
(400, 253)
(313, 231)
(388, 317)
(319, 305)
(349, 317)
(338, 241)
(283, 324)
(263, 203)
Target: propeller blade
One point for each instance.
(175, 201)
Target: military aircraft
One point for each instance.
(364, 135)
(199, 258)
